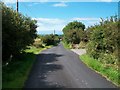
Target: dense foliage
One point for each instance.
(18, 31)
(73, 32)
(104, 41)
(51, 39)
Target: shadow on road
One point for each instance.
(44, 64)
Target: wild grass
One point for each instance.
(66, 46)
(35, 50)
(111, 73)
(16, 72)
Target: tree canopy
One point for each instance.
(73, 32)
(18, 31)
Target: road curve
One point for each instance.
(61, 68)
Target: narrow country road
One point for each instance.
(61, 68)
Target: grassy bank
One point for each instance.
(17, 71)
(67, 46)
(35, 50)
(108, 71)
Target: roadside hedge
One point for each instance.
(18, 31)
(104, 41)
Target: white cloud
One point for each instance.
(104, 0)
(49, 20)
(14, 1)
(8, 1)
(86, 19)
(62, 4)
(35, 3)
(50, 24)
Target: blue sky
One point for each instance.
(55, 15)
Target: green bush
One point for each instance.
(38, 43)
(50, 39)
(104, 40)
(108, 58)
(73, 32)
(18, 31)
(91, 50)
(82, 44)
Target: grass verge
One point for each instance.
(66, 46)
(111, 73)
(35, 50)
(16, 72)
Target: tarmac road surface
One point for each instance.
(61, 68)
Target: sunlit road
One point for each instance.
(61, 68)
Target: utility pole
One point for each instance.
(17, 6)
(54, 32)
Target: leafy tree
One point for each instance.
(50, 39)
(73, 32)
(18, 31)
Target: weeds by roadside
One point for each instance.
(17, 71)
(67, 46)
(109, 72)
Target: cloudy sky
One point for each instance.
(51, 15)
